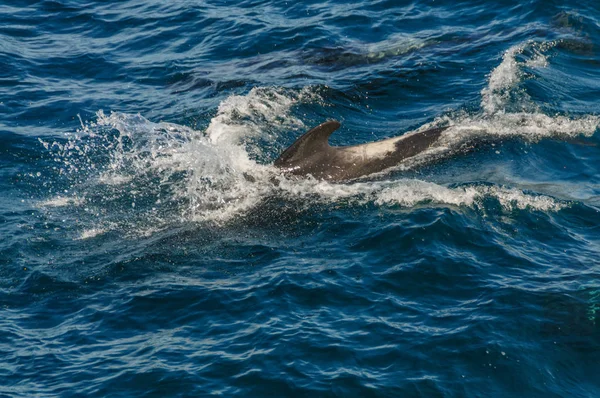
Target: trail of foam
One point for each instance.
(416, 192)
(531, 127)
(507, 110)
(411, 192)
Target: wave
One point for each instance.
(160, 172)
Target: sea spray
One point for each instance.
(175, 173)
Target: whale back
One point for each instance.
(311, 154)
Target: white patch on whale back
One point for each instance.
(378, 149)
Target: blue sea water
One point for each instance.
(148, 247)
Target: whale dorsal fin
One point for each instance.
(313, 141)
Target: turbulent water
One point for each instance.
(148, 246)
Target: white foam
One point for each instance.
(200, 176)
(507, 111)
(501, 79)
(62, 201)
(506, 76)
(241, 117)
(411, 192)
(217, 174)
(91, 233)
(414, 192)
(114, 179)
(528, 126)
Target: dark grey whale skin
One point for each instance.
(312, 155)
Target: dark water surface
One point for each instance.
(149, 248)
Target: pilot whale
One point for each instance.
(311, 154)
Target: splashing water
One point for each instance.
(498, 97)
(124, 171)
(129, 171)
(495, 97)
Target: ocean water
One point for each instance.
(148, 247)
